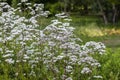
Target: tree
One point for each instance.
(102, 12)
(115, 8)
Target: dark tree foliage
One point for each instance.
(109, 9)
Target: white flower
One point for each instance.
(96, 64)
(51, 43)
(1, 49)
(61, 15)
(8, 55)
(86, 70)
(73, 59)
(10, 61)
(32, 12)
(2, 20)
(66, 24)
(33, 61)
(26, 57)
(16, 74)
(6, 6)
(24, 60)
(30, 51)
(55, 20)
(24, 0)
(3, 3)
(42, 34)
(28, 3)
(69, 69)
(69, 78)
(33, 20)
(60, 57)
(98, 77)
(56, 23)
(32, 73)
(87, 60)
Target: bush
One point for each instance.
(51, 53)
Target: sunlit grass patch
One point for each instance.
(91, 30)
(111, 31)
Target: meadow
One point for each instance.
(92, 28)
(39, 47)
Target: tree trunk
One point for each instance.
(85, 9)
(65, 6)
(114, 13)
(103, 13)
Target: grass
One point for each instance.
(91, 28)
(110, 69)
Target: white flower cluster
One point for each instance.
(24, 0)
(4, 7)
(34, 10)
(55, 47)
(61, 15)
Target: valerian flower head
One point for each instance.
(98, 77)
(61, 15)
(86, 70)
(69, 78)
(69, 69)
(10, 61)
(24, 0)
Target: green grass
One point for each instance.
(110, 69)
(92, 28)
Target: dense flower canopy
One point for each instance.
(23, 41)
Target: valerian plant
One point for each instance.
(53, 53)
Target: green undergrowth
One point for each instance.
(110, 62)
(92, 29)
